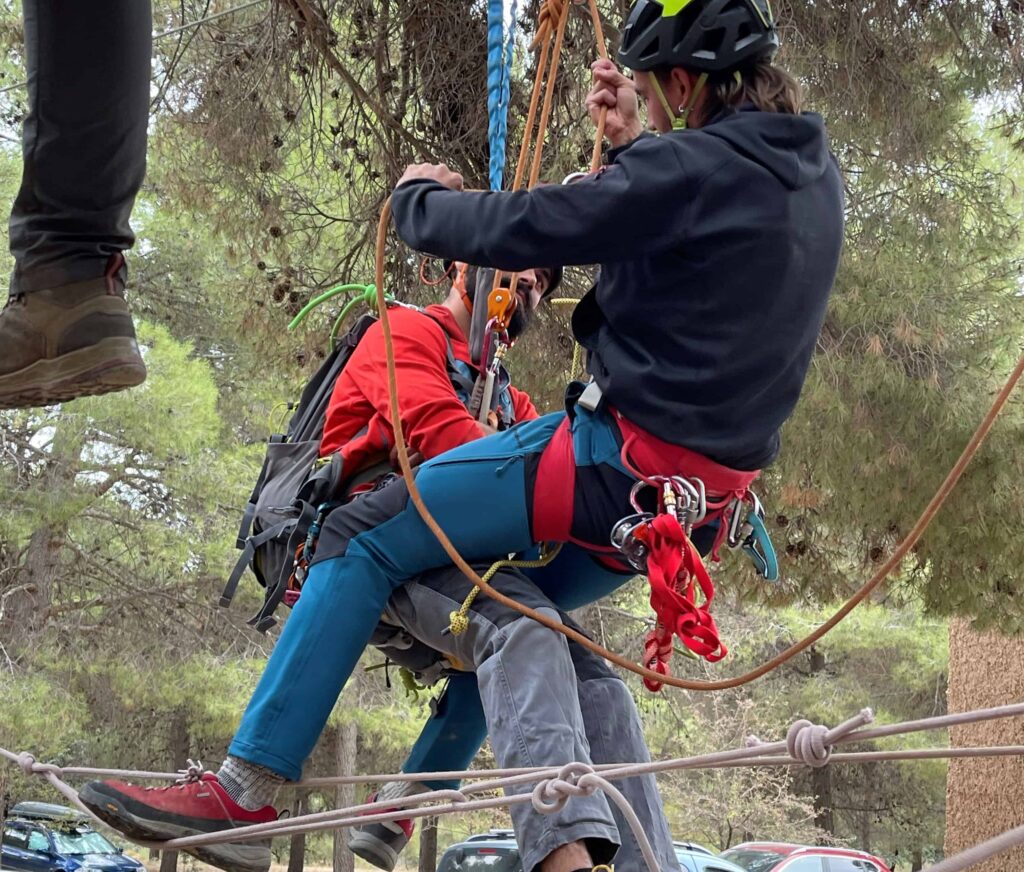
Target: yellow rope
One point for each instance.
(577, 349)
(459, 620)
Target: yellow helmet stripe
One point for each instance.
(670, 8)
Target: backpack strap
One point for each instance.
(251, 543)
(245, 528)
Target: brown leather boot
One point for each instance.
(76, 340)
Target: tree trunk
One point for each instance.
(916, 860)
(25, 601)
(984, 796)
(345, 756)
(821, 779)
(178, 744)
(297, 844)
(428, 845)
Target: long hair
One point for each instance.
(769, 88)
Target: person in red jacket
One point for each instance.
(427, 344)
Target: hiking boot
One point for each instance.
(73, 341)
(379, 844)
(161, 813)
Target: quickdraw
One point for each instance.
(658, 544)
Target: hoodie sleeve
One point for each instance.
(638, 200)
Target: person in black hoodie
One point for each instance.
(718, 240)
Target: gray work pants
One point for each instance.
(84, 138)
(547, 702)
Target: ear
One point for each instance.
(681, 83)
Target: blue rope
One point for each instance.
(499, 76)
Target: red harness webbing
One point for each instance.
(675, 569)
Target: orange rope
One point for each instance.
(686, 684)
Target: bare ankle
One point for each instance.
(568, 858)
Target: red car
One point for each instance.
(784, 857)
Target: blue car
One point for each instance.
(39, 837)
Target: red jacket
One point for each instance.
(433, 418)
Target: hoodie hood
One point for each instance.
(794, 148)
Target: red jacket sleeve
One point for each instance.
(523, 405)
(433, 418)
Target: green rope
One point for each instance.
(367, 294)
(336, 327)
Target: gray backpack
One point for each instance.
(296, 488)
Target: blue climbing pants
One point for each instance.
(480, 493)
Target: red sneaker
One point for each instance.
(380, 844)
(161, 813)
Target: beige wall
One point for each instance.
(985, 797)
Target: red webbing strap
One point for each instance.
(675, 570)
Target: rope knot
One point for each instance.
(551, 794)
(812, 744)
(547, 20)
(30, 766)
(809, 743)
(27, 763)
(192, 772)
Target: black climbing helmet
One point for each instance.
(709, 36)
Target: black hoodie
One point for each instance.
(718, 249)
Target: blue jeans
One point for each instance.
(479, 495)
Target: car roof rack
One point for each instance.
(47, 811)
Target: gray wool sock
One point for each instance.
(398, 789)
(250, 785)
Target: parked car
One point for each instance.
(785, 857)
(494, 851)
(40, 837)
(696, 858)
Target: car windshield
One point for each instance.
(82, 842)
(753, 861)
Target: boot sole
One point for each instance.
(229, 857)
(374, 851)
(112, 364)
